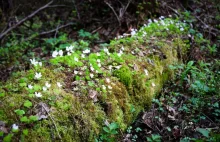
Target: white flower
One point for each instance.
(86, 51)
(54, 54)
(105, 50)
(75, 72)
(14, 127)
(120, 53)
(155, 21)
(47, 85)
(109, 87)
(149, 21)
(30, 86)
(91, 68)
(122, 48)
(133, 33)
(98, 60)
(181, 29)
(83, 55)
(76, 59)
(91, 75)
(99, 65)
(153, 84)
(40, 63)
(117, 67)
(97, 71)
(68, 53)
(146, 72)
(98, 54)
(59, 84)
(103, 87)
(44, 88)
(110, 67)
(60, 52)
(107, 80)
(132, 52)
(38, 75)
(33, 62)
(70, 48)
(38, 94)
(162, 22)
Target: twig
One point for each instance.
(78, 15)
(126, 7)
(54, 30)
(24, 19)
(119, 21)
(53, 122)
(55, 35)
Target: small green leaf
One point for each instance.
(25, 132)
(204, 132)
(19, 112)
(33, 118)
(2, 94)
(31, 95)
(106, 129)
(8, 138)
(28, 104)
(24, 119)
(1, 133)
(113, 126)
(22, 84)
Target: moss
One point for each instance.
(75, 116)
(125, 75)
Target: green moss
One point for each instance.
(75, 116)
(125, 75)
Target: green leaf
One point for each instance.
(24, 119)
(31, 95)
(106, 129)
(25, 132)
(2, 94)
(8, 138)
(37, 88)
(33, 118)
(19, 112)
(28, 104)
(22, 84)
(204, 132)
(1, 133)
(113, 126)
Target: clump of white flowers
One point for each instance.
(86, 51)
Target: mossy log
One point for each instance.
(121, 88)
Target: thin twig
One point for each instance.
(53, 122)
(78, 15)
(54, 30)
(55, 35)
(126, 7)
(24, 19)
(119, 21)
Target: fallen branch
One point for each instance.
(24, 19)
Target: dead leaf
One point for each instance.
(42, 110)
(93, 95)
